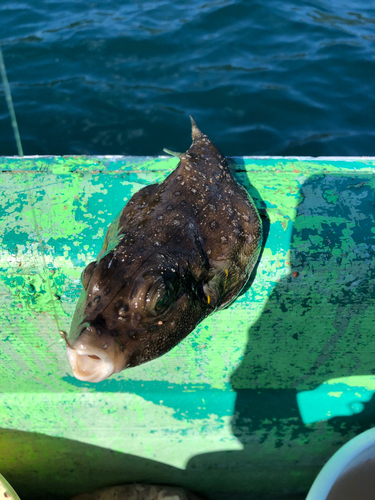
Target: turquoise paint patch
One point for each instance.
(332, 400)
(279, 238)
(190, 401)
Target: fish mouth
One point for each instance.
(94, 363)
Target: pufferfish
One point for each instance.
(177, 252)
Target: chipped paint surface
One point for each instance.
(282, 377)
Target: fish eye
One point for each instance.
(159, 297)
(164, 301)
(87, 273)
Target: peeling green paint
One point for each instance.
(284, 373)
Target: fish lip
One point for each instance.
(96, 370)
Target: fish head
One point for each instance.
(123, 322)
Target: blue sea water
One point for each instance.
(263, 77)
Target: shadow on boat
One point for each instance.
(314, 339)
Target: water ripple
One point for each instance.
(272, 77)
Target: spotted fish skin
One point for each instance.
(178, 251)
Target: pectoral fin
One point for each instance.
(221, 288)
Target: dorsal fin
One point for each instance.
(195, 132)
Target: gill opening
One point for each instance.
(226, 279)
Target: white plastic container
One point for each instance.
(6, 491)
(350, 473)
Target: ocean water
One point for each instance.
(121, 77)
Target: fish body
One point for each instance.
(177, 252)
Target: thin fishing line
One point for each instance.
(8, 97)
(17, 137)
